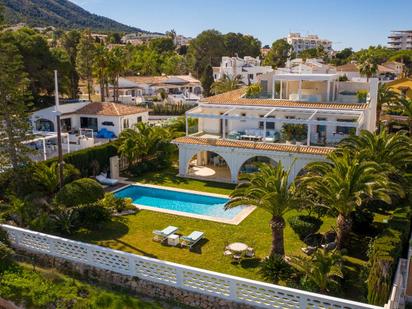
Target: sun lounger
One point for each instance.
(106, 181)
(192, 239)
(163, 234)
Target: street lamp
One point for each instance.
(59, 135)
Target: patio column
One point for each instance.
(287, 90)
(308, 136)
(300, 89)
(333, 90)
(68, 143)
(44, 149)
(281, 89)
(264, 129)
(328, 91)
(273, 87)
(223, 127)
(187, 126)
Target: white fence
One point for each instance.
(205, 282)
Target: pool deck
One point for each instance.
(234, 221)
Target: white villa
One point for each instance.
(300, 43)
(248, 69)
(298, 118)
(308, 66)
(91, 116)
(135, 89)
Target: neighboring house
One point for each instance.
(385, 72)
(248, 69)
(114, 117)
(400, 40)
(307, 66)
(137, 89)
(297, 119)
(403, 86)
(300, 43)
(140, 38)
(181, 40)
(397, 67)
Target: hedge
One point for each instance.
(91, 161)
(384, 254)
(304, 225)
(79, 192)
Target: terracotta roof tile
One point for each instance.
(254, 145)
(234, 97)
(110, 109)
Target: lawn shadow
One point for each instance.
(250, 263)
(136, 249)
(109, 231)
(358, 246)
(198, 247)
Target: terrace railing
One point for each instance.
(205, 282)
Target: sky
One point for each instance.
(347, 23)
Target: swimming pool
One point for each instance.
(199, 205)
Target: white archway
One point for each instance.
(208, 165)
(250, 165)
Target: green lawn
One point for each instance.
(134, 234)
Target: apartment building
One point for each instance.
(400, 40)
(248, 68)
(301, 43)
(296, 119)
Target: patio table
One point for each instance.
(237, 247)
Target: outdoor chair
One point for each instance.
(236, 257)
(329, 246)
(163, 234)
(309, 250)
(250, 252)
(192, 239)
(227, 253)
(102, 178)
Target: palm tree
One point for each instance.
(322, 269)
(392, 152)
(178, 125)
(343, 183)
(115, 68)
(406, 105)
(267, 189)
(386, 96)
(368, 68)
(144, 143)
(100, 66)
(46, 176)
(226, 84)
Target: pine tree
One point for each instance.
(85, 57)
(207, 80)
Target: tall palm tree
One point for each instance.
(322, 269)
(267, 189)
(116, 67)
(406, 105)
(343, 183)
(178, 125)
(100, 66)
(392, 152)
(226, 84)
(386, 96)
(368, 68)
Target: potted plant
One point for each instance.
(293, 132)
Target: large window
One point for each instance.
(126, 123)
(88, 123)
(345, 130)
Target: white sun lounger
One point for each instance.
(162, 235)
(192, 239)
(106, 181)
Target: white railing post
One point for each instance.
(233, 290)
(179, 277)
(303, 303)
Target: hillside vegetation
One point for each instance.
(58, 13)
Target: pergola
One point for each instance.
(43, 137)
(288, 77)
(230, 112)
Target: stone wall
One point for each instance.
(132, 284)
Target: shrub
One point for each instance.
(274, 268)
(253, 91)
(116, 204)
(79, 192)
(91, 161)
(92, 216)
(291, 131)
(305, 225)
(362, 95)
(384, 253)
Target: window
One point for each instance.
(108, 123)
(344, 130)
(243, 115)
(125, 123)
(290, 117)
(139, 119)
(88, 123)
(269, 125)
(250, 76)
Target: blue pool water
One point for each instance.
(179, 201)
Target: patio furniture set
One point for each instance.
(169, 236)
(325, 241)
(255, 135)
(238, 250)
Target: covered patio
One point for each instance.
(208, 165)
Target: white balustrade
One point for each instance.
(205, 282)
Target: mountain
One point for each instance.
(61, 14)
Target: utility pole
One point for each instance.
(59, 135)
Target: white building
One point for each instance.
(301, 43)
(140, 38)
(248, 69)
(308, 66)
(400, 40)
(298, 118)
(135, 89)
(387, 71)
(95, 116)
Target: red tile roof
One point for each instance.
(254, 145)
(110, 109)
